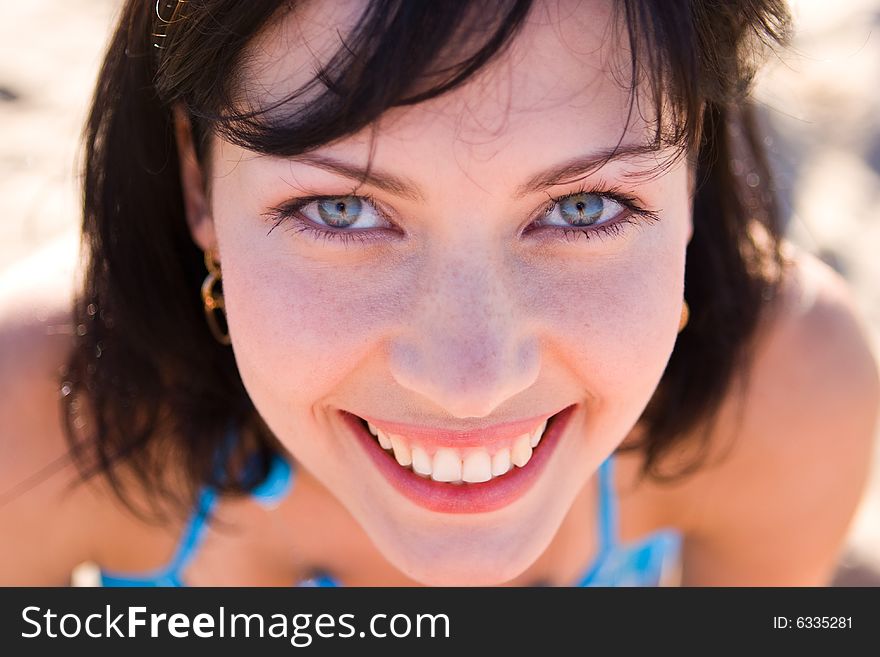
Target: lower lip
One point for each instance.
(462, 498)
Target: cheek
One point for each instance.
(298, 329)
(613, 322)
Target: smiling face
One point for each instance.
(475, 285)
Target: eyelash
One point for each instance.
(303, 224)
(633, 214)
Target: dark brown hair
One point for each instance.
(152, 383)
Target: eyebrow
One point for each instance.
(559, 174)
(382, 180)
(581, 166)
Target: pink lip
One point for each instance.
(461, 498)
(486, 438)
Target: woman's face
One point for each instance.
(476, 284)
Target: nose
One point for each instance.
(467, 346)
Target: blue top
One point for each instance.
(639, 563)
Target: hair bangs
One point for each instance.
(399, 53)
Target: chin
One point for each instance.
(438, 550)
(466, 569)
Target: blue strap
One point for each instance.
(195, 528)
(269, 493)
(606, 526)
(194, 533)
(276, 485)
(640, 563)
(607, 504)
(319, 581)
(277, 482)
(170, 574)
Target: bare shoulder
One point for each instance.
(42, 519)
(811, 365)
(793, 444)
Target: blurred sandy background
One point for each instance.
(821, 105)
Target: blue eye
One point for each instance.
(340, 212)
(584, 209)
(347, 219)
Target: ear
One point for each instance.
(192, 180)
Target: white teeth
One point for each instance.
(501, 462)
(537, 434)
(521, 451)
(477, 467)
(421, 462)
(401, 451)
(446, 465)
(384, 440)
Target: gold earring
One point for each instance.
(213, 301)
(685, 316)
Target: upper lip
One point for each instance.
(475, 437)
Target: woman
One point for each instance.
(384, 293)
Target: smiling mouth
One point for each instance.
(461, 472)
(461, 465)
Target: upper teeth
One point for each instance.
(471, 465)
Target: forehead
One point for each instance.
(562, 85)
